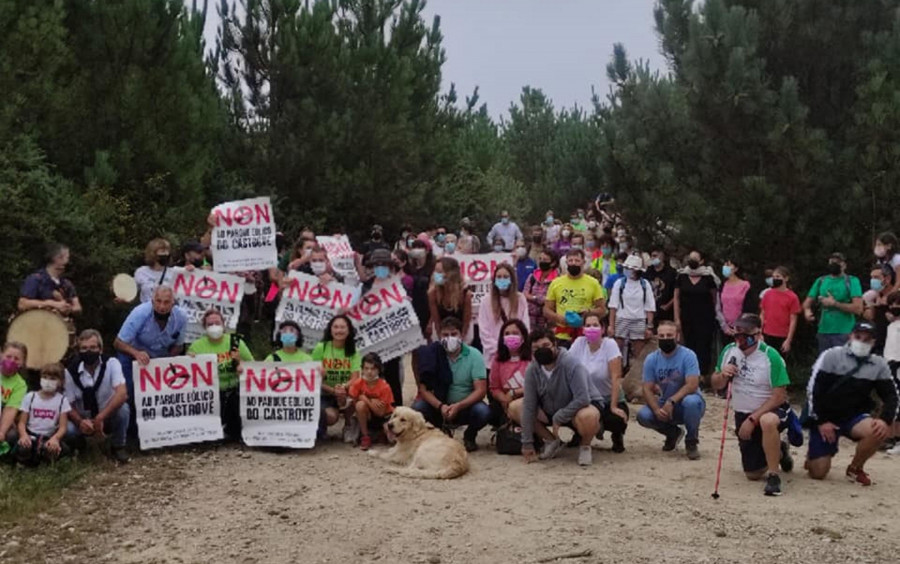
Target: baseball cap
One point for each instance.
(380, 256)
(839, 256)
(864, 327)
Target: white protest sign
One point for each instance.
(243, 237)
(341, 255)
(280, 403)
(177, 401)
(200, 290)
(385, 321)
(311, 304)
(478, 272)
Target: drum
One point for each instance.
(124, 288)
(44, 332)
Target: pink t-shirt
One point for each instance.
(733, 300)
(509, 375)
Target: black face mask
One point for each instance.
(777, 282)
(161, 316)
(544, 356)
(197, 263)
(163, 260)
(574, 270)
(376, 236)
(545, 265)
(693, 264)
(834, 268)
(89, 358)
(538, 239)
(667, 345)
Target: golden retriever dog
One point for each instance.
(423, 451)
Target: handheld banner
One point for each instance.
(280, 403)
(177, 401)
(341, 255)
(243, 237)
(385, 321)
(312, 305)
(200, 290)
(478, 273)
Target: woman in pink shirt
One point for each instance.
(507, 379)
(504, 303)
(734, 292)
(779, 310)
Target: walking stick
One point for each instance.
(715, 494)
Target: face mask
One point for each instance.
(549, 220)
(578, 246)
(451, 344)
(498, 248)
(745, 342)
(770, 281)
(605, 250)
(726, 271)
(626, 272)
(537, 239)
(693, 264)
(197, 263)
(834, 268)
(215, 332)
(409, 242)
(593, 334)
(450, 247)
(512, 342)
(370, 378)
(382, 271)
(860, 349)
(566, 232)
(440, 237)
(875, 284)
(592, 225)
(574, 269)
(521, 252)
(775, 282)
(667, 345)
(318, 267)
(655, 262)
(504, 220)
(161, 316)
(417, 253)
(634, 274)
(48, 385)
(545, 265)
(163, 260)
(438, 278)
(880, 251)
(288, 339)
(89, 358)
(502, 284)
(376, 235)
(8, 367)
(544, 356)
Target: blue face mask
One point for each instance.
(288, 339)
(450, 247)
(502, 284)
(549, 220)
(382, 272)
(440, 237)
(654, 262)
(504, 220)
(727, 271)
(769, 281)
(606, 250)
(438, 278)
(876, 284)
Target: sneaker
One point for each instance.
(673, 439)
(551, 449)
(351, 432)
(693, 453)
(585, 456)
(858, 476)
(470, 444)
(119, 454)
(365, 442)
(786, 462)
(773, 485)
(618, 442)
(887, 445)
(894, 450)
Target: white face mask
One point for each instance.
(215, 332)
(370, 379)
(860, 349)
(566, 232)
(521, 252)
(48, 385)
(451, 344)
(318, 267)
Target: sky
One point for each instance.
(559, 46)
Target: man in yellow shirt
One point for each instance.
(571, 296)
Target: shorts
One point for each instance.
(631, 329)
(817, 445)
(327, 401)
(753, 457)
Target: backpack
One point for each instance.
(88, 395)
(622, 291)
(846, 283)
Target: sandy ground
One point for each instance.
(335, 504)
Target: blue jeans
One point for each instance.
(830, 340)
(688, 412)
(116, 426)
(475, 417)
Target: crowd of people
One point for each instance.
(567, 315)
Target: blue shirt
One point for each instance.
(524, 268)
(669, 373)
(142, 332)
(40, 286)
(611, 280)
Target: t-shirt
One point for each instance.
(41, 286)
(468, 367)
(663, 283)
(597, 364)
(142, 332)
(228, 375)
(573, 294)
(13, 389)
(298, 355)
(43, 414)
(670, 372)
(831, 320)
(112, 378)
(733, 300)
(336, 367)
(778, 306)
(506, 376)
(759, 373)
(380, 390)
(636, 299)
(892, 342)
(148, 279)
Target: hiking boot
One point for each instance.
(551, 449)
(585, 456)
(365, 442)
(690, 447)
(786, 462)
(858, 476)
(119, 454)
(773, 485)
(673, 439)
(470, 444)
(618, 441)
(351, 432)
(575, 441)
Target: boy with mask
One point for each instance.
(839, 297)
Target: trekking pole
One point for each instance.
(715, 494)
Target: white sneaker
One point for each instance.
(894, 450)
(585, 456)
(551, 449)
(351, 432)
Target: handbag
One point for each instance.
(509, 439)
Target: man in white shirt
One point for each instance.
(95, 388)
(632, 307)
(506, 230)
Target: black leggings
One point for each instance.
(231, 413)
(612, 422)
(391, 375)
(700, 340)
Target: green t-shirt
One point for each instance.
(14, 389)
(468, 367)
(297, 356)
(228, 376)
(843, 289)
(336, 367)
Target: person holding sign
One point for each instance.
(340, 369)
(505, 303)
(319, 265)
(155, 272)
(372, 397)
(291, 339)
(229, 353)
(569, 297)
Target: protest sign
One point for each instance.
(385, 321)
(312, 305)
(341, 255)
(243, 236)
(177, 400)
(200, 290)
(280, 403)
(478, 272)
